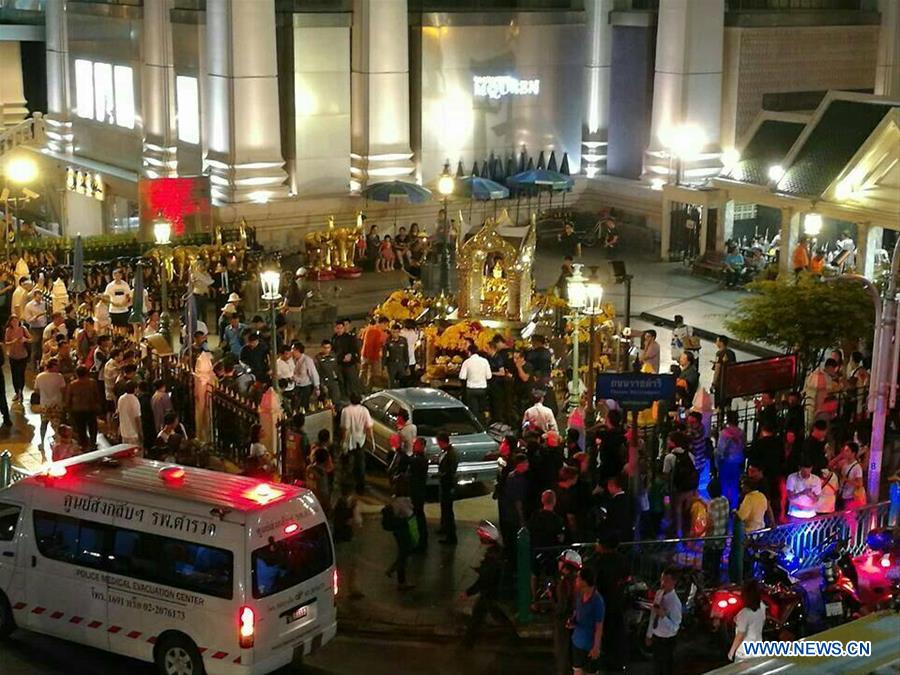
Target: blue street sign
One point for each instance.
(635, 390)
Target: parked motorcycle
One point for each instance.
(840, 585)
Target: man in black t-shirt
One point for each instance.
(570, 242)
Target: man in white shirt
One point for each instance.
(475, 372)
(119, 294)
(411, 335)
(803, 490)
(56, 327)
(20, 297)
(129, 410)
(284, 369)
(665, 621)
(306, 377)
(35, 315)
(356, 429)
(539, 416)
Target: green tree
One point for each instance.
(806, 316)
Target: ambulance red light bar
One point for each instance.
(264, 493)
(291, 528)
(172, 474)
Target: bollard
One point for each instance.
(5, 469)
(894, 515)
(523, 576)
(736, 557)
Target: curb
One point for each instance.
(740, 345)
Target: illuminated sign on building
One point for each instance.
(498, 86)
(85, 183)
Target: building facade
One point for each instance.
(293, 106)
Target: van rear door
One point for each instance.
(292, 586)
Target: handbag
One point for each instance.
(35, 398)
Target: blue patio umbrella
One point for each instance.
(385, 192)
(137, 301)
(541, 163)
(482, 189)
(551, 164)
(77, 284)
(542, 179)
(564, 167)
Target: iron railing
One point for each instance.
(9, 472)
(232, 415)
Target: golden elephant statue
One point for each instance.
(318, 251)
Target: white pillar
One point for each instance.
(887, 69)
(868, 241)
(159, 157)
(597, 69)
(12, 95)
(59, 103)
(724, 224)
(665, 229)
(243, 129)
(379, 85)
(790, 235)
(687, 86)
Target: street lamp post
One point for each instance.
(577, 292)
(162, 232)
(21, 171)
(270, 281)
(445, 187)
(593, 308)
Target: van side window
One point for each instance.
(140, 555)
(9, 517)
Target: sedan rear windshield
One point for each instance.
(280, 565)
(453, 421)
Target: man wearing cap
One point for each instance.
(232, 306)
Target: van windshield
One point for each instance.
(452, 421)
(280, 565)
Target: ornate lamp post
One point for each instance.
(270, 282)
(162, 233)
(577, 291)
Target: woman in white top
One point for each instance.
(749, 622)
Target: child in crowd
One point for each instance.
(386, 257)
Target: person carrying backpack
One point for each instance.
(679, 468)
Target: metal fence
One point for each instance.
(9, 472)
(232, 415)
(806, 541)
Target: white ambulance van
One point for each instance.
(197, 571)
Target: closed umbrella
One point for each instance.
(475, 168)
(564, 167)
(530, 165)
(523, 161)
(77, 284)
(460, 171)
(510, 167)
(551, 165)
(541, 164)
(485, 169)
(137, 302)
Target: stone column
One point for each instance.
(159, 157)
(204, 378)
(724, 224)
(687, 89)
(887, 70)
(597, 70)
(665, 229)
(379, 84)
(868, 241)
(790, 234)
(12, 96)
(59, 103)
(242, 131)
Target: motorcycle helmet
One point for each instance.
(571, 558)
(488, 532)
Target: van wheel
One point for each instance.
(177, 655)
(7, 622)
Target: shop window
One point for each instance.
(124, 88)
(187, 97)
(104, 103)
(84, 88)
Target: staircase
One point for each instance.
(29, 131)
